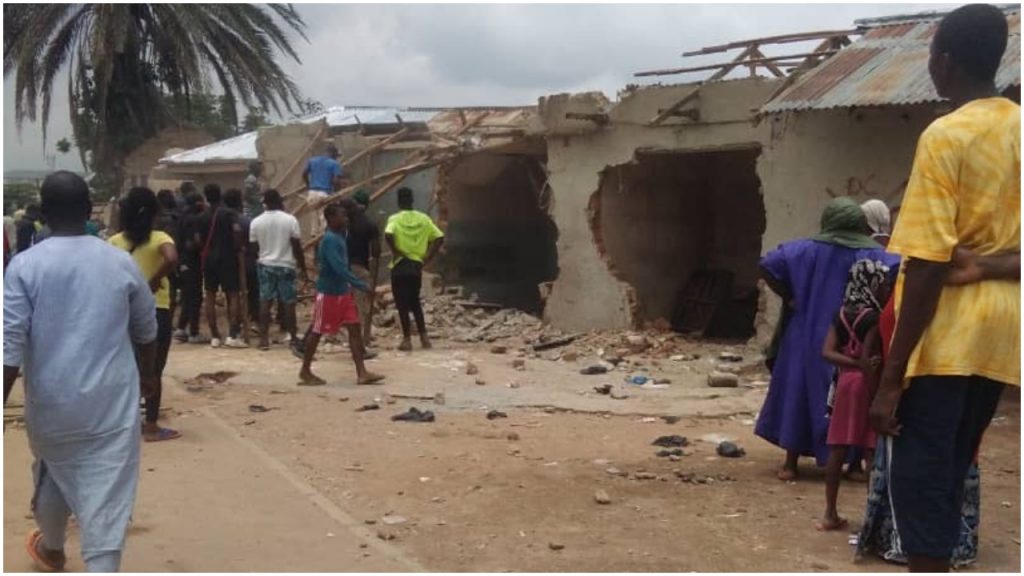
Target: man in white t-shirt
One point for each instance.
(276, 238)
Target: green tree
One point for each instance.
(254, 118)
(126, 60)
(18, 194)
(63, 146)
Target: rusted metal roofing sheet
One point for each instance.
(888, 65)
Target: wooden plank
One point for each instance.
(767, 63)
(376, 146)
(782, 39)
(828, 47)
(729, 66)
(664, 114)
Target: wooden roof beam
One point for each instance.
(783, 39)
(729, 66)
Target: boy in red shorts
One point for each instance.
(335, 306)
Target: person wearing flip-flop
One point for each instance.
(73, 308)
(156, 256)
(276, 237)
(334, 305)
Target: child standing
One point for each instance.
(854, 346)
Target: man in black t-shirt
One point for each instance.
(190, 269)
(219, 238)
(363, 250)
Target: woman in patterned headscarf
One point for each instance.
(853, 346)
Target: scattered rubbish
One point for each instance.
(369, 521)
(602, 497)
(481, 382)
(593, 370)
(684, 357)
(556, 546)
(675, 457)
(648, 420)
(667, 453)
(644, 476)
(613, 359)
(471, 369)
(499, 349)
(368, 407)
(729, 450)
(616, 396)
(249, 422)
(723, 380)
(729, 356)
(604, 389)
(259, 408)
(671, 441)
(550, 464)
(343, 399)
(206, 379)
(548, 344)
(390, 520)
(637, 380)
(493, 414)
(385, 535)
(671, 419)
(519, 364)
(414, 415)
(616, 472)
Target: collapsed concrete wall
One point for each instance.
(587, 294)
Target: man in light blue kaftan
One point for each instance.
(73, 307)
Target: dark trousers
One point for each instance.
(252, 287)
(405, 287)
(942, 418)
(191, 280)
(163, 347)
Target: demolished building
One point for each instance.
(655, 208)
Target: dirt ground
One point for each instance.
(311, 484)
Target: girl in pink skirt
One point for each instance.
(853, 345)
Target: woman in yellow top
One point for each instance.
(156, 256)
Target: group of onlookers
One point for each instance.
(895, 351)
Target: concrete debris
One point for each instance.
(392, 520)
(494, 414)
(729, 356)
(519, 364)
(723, 380)
(602, 497)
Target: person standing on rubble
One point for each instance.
(363, 246)
(955, 348)
(334, 306)
(809, 275)
(323, 177)
(414, 240)
(275, 236)
(219, 237)
(70, 323)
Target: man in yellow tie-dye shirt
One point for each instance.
(955, 347)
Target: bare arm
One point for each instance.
(830, 351)
(922, 288)
(871, 359)
(170, 257)
(432, 251)
(300, 258)
(968, 268)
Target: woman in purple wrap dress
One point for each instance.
(809, 275)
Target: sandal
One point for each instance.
(161, 435)
(43, 564)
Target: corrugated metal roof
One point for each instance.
(239, 148)
(887, 65)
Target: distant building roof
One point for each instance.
(887, 65)
(243, 147)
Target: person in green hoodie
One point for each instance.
(414, 240)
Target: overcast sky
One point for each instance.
(474, 55)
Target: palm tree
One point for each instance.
(126, 60)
